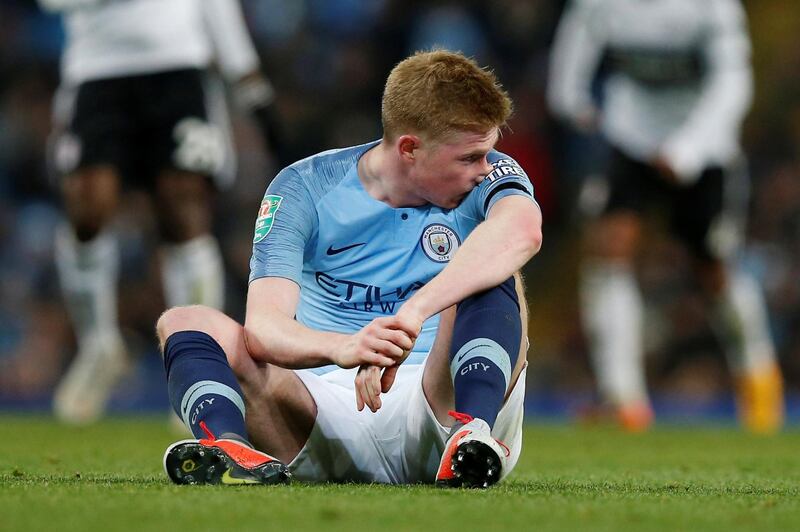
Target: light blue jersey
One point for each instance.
(354, 257)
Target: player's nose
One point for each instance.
(486, 170)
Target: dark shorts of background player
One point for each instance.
(130, 122)
(636, 186)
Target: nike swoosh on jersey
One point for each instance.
(332, 251)
(228, 479)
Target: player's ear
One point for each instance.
(407, 145)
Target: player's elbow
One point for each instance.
(529, 236)
(254, 343)
(531, 240)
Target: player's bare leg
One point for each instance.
(740, 318)
(192, 265)
(192, 271)
(611, 308)
(221, 393)
(87, 260)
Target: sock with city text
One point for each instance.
(485, 347)
(202, 386)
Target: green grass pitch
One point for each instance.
(109, 477)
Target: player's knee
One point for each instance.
(176, 319)
(91, 197)
(503, 295)
(615, 236)
(183, 205)
(493, 314)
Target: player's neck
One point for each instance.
(384, 179)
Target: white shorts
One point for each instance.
(401, 443)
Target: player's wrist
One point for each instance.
(413, 316)
(338, 349)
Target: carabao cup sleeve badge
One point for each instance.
(266, 215)
(439, 242)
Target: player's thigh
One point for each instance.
(95, 126)
(437, 382)
(614, 236)
(91, 197)
(616, 233)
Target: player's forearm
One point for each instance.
(492, 253)
(280, 340)
(573, 62)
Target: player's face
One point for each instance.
(445, 172)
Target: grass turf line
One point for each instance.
(109, 477)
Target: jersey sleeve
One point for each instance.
(287, 221)
(576, 54)
(507, 178)
(235, 53)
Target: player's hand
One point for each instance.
(587, 120)
(383, 342)
(368, 388)
(665, 170)
(410, 321)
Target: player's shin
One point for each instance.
(741, 321)
(202, 386)
(485, 347)
(205, 394)
(611, 311)
(88, 274)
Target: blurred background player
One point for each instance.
(677, 84)
(139, 104)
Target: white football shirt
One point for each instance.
(113, 38)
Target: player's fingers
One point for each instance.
(359, 401)
(372, 386)
(398, 338)
(387, 379)
(376, 359)
(385, 347)
(360, 389)
(410, 327)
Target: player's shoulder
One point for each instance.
(506, 177)
(331, 162)
(503, 165)
(322, 171)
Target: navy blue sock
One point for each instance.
(484, 351)
(202, 386)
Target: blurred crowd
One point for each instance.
(328, 60)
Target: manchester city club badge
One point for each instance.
(439, 242)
